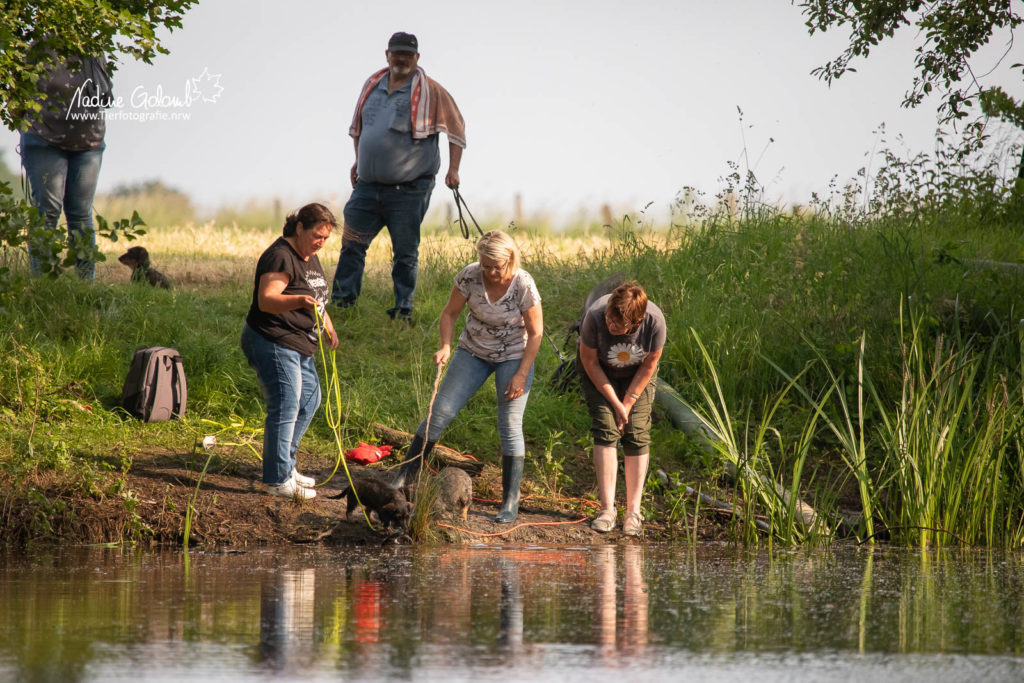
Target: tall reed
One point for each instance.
(945, 454)
(748, 450)
(952, 445)
(847, 425)
(190, 511)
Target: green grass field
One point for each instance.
(871, 362)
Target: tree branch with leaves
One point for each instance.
(950, 33)
(33, 31)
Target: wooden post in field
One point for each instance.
(517, 209)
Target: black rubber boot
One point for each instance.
(511, 478)
(411, 466)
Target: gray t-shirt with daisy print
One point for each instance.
(495, 331)
(620, 355)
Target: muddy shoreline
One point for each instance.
(147, 505)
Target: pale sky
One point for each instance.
(568, 103)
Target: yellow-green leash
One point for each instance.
(332, 412)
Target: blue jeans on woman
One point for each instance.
(58, 180)
(372, 206)
(466, 374)
(291, 389)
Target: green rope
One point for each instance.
(332, 412)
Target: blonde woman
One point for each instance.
(501, 337)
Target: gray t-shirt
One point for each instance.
(495, 331)
(70, 125)
(620, 355)
(387, 152)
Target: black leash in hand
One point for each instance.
(459, 204)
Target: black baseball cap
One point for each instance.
(403, 42)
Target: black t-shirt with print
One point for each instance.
(295, 329)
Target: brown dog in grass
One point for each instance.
(137, 258)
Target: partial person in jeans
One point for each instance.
(280, 338)
(621, 340)
(502, 336)
(62, 151)
(395, 127)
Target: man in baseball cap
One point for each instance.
(403, 42)
(395, 127)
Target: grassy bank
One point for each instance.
(872, 366)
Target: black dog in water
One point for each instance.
(378, 496)
(137, 258)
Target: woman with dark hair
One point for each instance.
(621, 341)
(279, 340)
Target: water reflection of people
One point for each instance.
(453, 614)
(510, 613)
(367, 609)
(633, 637)
(286, 618)
(606, 604)
(634, 601)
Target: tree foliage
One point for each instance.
(33, 30)
(950, 33)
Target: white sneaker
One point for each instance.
(302, 480)
(290, 489)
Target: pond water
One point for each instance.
(609, 613)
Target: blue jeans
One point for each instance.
(466, 374)
(291, 388)
(62, 180)
(372, 206)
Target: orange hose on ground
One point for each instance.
(517, 526)
(590, 503)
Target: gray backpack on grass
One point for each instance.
(155, 389)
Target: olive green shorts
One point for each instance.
(636, 437)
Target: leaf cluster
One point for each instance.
(35, 32)
(951, 31)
